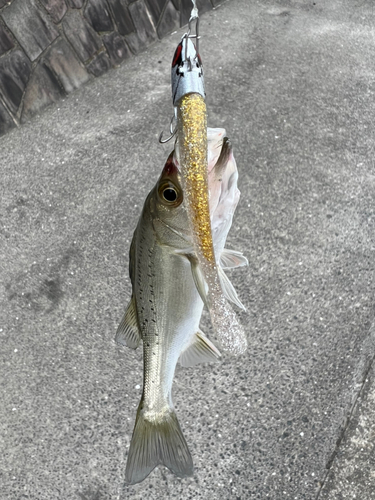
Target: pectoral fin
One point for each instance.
(198, 277)
(228, 289)
(128, 331)
(229, 259)
(201, 350)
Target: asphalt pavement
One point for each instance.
(292, 82)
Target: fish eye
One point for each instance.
(170, 194)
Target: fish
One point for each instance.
(191, 156)
(167, 303)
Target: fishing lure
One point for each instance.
(191, 155)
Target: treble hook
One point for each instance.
(172, 128)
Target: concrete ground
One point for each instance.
(292, 81)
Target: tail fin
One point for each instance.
(157, 442)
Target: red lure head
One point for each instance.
(177, 59)
(187, 71)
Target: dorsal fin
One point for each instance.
(128, 331)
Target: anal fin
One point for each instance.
(198, 278)
(128, 331)
(201, 350)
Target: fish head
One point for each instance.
(170, 219)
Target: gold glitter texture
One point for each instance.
(192, 136)
(192, 139)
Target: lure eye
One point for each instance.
(169, 194)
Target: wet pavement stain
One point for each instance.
(41, 288)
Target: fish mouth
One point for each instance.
(222, 185)
(222, 176)
(222, 170)
(219, 151)
(222, 161)
(224, 195)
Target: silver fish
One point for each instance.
(168, 295)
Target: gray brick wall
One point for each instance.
(48, 48)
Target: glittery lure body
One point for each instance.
(192, 137)
(191, 149)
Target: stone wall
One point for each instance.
(48, 48)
